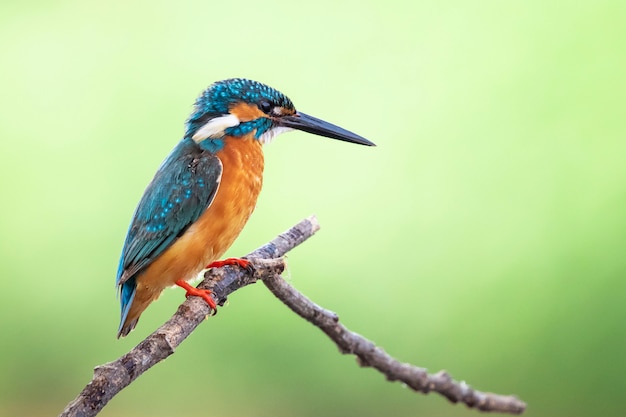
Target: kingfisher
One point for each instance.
(205, 190)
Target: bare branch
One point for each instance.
(111, 378)
(370, 355)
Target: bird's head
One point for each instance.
(244, 108)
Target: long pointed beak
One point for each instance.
(310, 124)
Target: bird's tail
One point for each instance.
(133, 301)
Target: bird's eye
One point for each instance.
(265, 106)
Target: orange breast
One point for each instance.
(217, 228)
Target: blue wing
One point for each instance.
(180, 192)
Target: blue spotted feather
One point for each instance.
(182, 189)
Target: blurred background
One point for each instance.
(484, 235)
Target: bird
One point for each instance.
(205, 190)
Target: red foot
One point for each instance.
(230, 261)
(193, 291)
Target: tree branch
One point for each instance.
(111, 378)
(370, 355)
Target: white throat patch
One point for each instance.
(268, 136)
(215, 127)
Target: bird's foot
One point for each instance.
(197, 292)
(242, 263)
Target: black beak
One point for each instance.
(310, 124)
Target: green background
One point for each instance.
(484, 235)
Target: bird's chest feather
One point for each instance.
(216, 229)
(240, 185)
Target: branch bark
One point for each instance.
(111, 378)
(370, 355)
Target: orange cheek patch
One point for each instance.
(246, 112)
(281, 111)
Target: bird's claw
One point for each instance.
(240, 262)
(198, 292)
